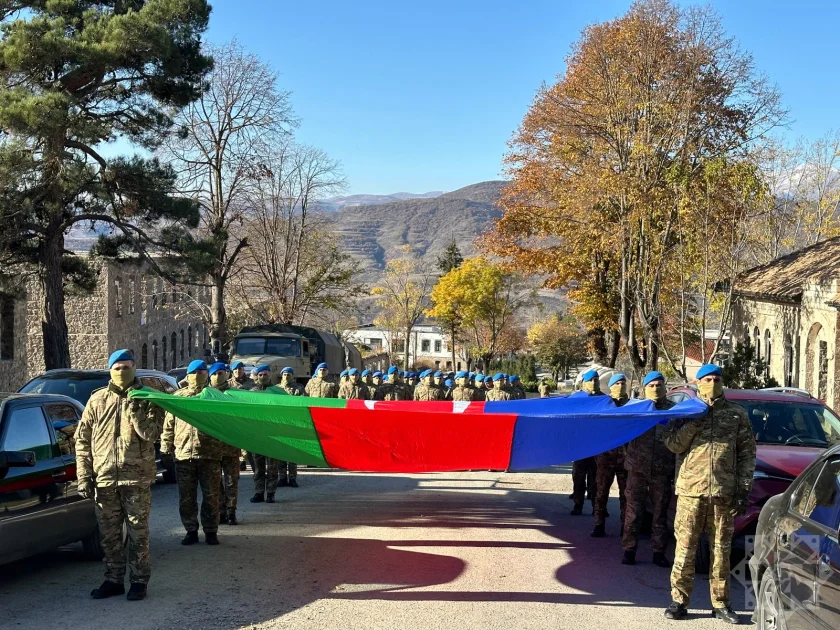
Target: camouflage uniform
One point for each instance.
(266, 471)
(318, 387)
(229, 480)
(650, 469)
(478, 393)
(198, 459)
(544, 390)
(246, 384)
(462, 394)
(288, 470)
(396, 391)
(425, 392)
(115, 449)
(716, 462)
(609, 466)
(497, 394)
(353, 391)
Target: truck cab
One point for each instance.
(275, 349)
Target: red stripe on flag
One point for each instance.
(395, 440)
(427, 406)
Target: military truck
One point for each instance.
(299, 347)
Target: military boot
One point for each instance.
(269, 498)
(211, 538)
(726, 614)
(258, 498)
(231, 518)
(660, 560)
(190, 539)
(629, 557)
(598, 532)
(108, 589)
(577, 510)
(293, 483)
(676, 611)
(223, 518)
(136, 592)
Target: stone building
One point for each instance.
(427, 346)
(130, 308)
(789, 310)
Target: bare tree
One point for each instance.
(217, 151)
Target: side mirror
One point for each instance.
(17, 459)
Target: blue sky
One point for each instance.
(419, 96)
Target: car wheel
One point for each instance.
(92, 545)
(703, 560)
(769, 613)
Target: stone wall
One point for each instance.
(13, 372)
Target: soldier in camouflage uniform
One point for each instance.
(319, 386)
(543, 389)
(517, 389)
(115, 459)
(498, 392)
(378, 390)
(609, 466)
(650, 470)
(266, 473)
(241, 380)
(583, 470)
(426, 390)
(229, 481)
(396, 389)
(197, 463)
(462, 392)
(479, 393)
(410, 384)
(716, 462)
(353, 388)
(288, 470)
(367, 379)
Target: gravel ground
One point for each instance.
(348, 550)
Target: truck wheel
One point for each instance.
(92, 545)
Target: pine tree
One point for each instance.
(747, 371)
(451, 258)
(77, 74)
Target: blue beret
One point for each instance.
(438, 373)
(217, 367)
(617, 378)
(392, 369)
(343, 373)
(479, 378)
(120, 355)
(589, 375)
(377, 373)
(514, 378)
(424, 373)
(652, 376)
(195, 366)
(365, 372)
(412, 375)
(462, 374)
(710, 369)
(236, 364)
(353, 371)
(262, 368)
(499, 376)
(322, 366)
(448, 383)
(287, 370)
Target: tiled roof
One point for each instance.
(693, 351)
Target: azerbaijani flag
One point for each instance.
(408, 436)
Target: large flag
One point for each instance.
(406, 436)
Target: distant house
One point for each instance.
(789, 310)
(428, 346)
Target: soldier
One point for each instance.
(609, 466)
(240, 379)
(516, 386)
(715, 475)
(498, 392)
(115, 459)
(583, 470)
(266, 469)
(197, 463)
(377, 392)
(426, 390)
(396, 389)
(543, 388)
(353, 388)
(229, 481)
(463, 392)
(478, 390)
(342, 380)
(410, 384)
(288, 470)
(318, 386)
(367, 379)
(650, 469)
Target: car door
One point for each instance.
(798, 549)
(31, 498)
(827, 572)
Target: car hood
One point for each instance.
(787, 461)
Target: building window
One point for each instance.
(7, 328)
(789, 362)
(182, 344)
(154, 355)
(822, 387)
(174, 350)
(425, 345)
(163, 352)
(375, 342)
(117, 298)
(768, 346)
(189, 340)
(144, 357)
(437, 346)
(131, 296)
(757, 342)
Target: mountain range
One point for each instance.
(337, 203)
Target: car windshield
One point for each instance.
(78, 387)
(792, 424)
(278, 346)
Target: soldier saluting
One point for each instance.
(115, 456)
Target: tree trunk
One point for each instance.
(598, 344)
(613, 344)
(453, 348)
(407, 348)
(53, 316)
(218, 325)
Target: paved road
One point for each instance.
(456, 550)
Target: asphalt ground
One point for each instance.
(348, 550)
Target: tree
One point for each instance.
(747, 371)
(450, 259)
(559, 343)
(449, 320)
(402, 294)
(294, 265)
(607, 158)
(77, 75)
(220, 146)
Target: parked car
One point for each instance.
(40, 505)
(178, 373)
(80, 384)
(796, 565)
(791, 429)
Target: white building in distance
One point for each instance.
(428, 346)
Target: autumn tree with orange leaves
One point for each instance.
(607, 163)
